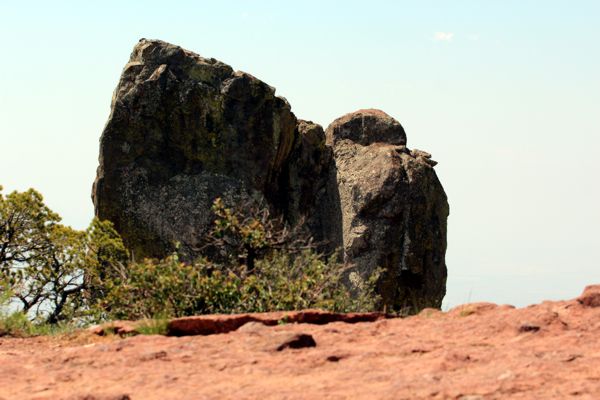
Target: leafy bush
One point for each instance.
(12, 323)
(153, 326)
(16, 323)
(252, 264)
(169, 287)
(43, 263)
(247, 232)
(40, 260)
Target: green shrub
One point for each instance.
(58, 277)
(153, 326)
(247, 232)
(48, 267)
(16, 323)
(252, 264)
(172, 288)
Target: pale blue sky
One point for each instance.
(504, 94)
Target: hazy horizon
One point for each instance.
(505, 96)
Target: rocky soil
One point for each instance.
(474, 351)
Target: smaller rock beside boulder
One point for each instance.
(393, 209)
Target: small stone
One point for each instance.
(393, 209)
(296, 341)
(119, 327)
(527, 327)
(155, 355)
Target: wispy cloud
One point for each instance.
(444, 36)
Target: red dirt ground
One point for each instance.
(475, 351)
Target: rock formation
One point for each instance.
(394, 209)
(184, 130)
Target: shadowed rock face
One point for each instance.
(184, 130)
(312, 197)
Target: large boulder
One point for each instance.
(393, 207)
(184, 130)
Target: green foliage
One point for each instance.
(293, 282)
(105, 267)
(45, 265)
(247, 232)
(252, 264)
(153, 326)
(12, 323)
(40, 259)
(17, 324)
(25, 225)
(278, 282)
(54, 276)
(149, 288)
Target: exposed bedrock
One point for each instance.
(184, 130)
